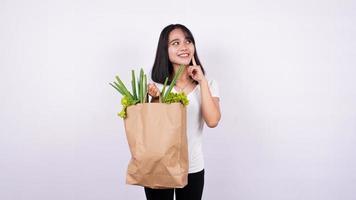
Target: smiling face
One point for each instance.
(180, 48)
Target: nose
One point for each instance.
(184, 47)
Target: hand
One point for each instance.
(195, 71)
(153, 90)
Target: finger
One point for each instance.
(150, 91)
(191, 74)
(152, 86)
(190, 70)
(193, 61)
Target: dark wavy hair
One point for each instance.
(162, 66)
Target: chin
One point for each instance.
(184, 62)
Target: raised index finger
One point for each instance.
(193, 61)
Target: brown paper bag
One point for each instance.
(156, 134)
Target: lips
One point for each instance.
(184, 55)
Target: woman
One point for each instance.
(176, 46)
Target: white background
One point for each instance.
(286, 74)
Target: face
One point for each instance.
(180, 49)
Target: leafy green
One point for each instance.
(126, 102)
(176, 98)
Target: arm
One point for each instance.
(209, 105)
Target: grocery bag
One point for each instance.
(157, 138)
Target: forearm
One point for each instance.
(210, 108)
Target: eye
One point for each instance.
(175, 43)
(188, 41)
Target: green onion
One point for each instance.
(117, 88)
(141, 85)
(176, 76)
(133, 83)
(123, 88)
(164, 88)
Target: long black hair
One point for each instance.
(162, 66)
